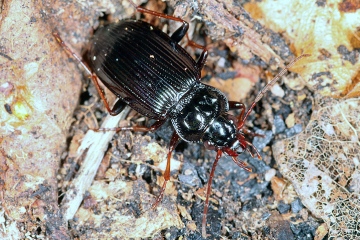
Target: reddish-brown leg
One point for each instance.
(119, 105)
(238, 162)
(70, 52)
(208, 192)
(173, 142)
(158, 14)
(241, 164)
(245, 144)
(250, 133)
(152, 128)
(238, 105)
(234, 154)
(202, 59)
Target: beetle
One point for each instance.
(149, 71)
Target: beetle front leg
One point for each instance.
(233, 105)
(173, 143)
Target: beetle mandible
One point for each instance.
(149, 71)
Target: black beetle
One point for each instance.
(149, 71)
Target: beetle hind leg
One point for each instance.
(70, 52)
(152, 128)
(119, 105)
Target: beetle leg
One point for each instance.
(119, 105)
(238, 105)
(249, 144)
(202, 59)
(152, 128)
(234, 154)
(208, 192)
(179, 33)
(70, 52)
(251, 133)
(241, 164)
(173, 143)
(157, 14)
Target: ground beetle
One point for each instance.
(149, 71)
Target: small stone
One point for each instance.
(278, 91)
(269, 174)
(290, 120)
(261, 142)
(294, 130)
(279, 124)
(283, 207)
(296, 205)
(189, 175)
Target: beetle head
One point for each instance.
(220, 133)
(223, 134)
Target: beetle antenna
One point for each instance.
(267, 87)
(132, 3)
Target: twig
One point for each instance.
(96, 143)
